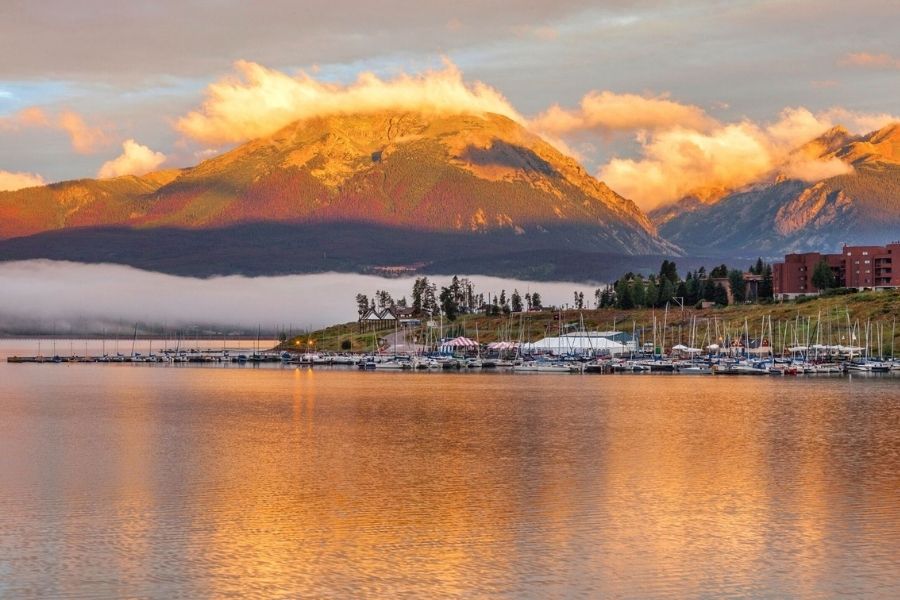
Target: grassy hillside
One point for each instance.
(877, 307)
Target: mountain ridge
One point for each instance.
(860, 206)
(481, 176)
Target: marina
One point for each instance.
(828, 361)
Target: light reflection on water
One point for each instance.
(128, 480)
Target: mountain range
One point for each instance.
(860, 206)
(367, 190)
(402, 192)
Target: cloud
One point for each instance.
(258, 101)
(134, 160)
(870, 61)
(85, 139)
(31, 116)
(44, 293)
(682, 161)
(608, 112)
(815, 170)
(9, 182)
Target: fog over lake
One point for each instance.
(63, 296)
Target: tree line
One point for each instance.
(459, 297)
(667, 287)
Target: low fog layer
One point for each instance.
(43, 296)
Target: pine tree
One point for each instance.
(516, 301)
(362, 304)
(738, 285)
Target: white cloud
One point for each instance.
(258, 101)
(135, 159)
(10, 182)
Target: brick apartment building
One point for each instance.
(861, 267)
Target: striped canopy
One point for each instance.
(460, 342)
(502, 346)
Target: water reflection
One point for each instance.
(159, 482)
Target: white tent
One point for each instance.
(578, 344)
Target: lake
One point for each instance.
(180, 481)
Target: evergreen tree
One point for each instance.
(448, 304)
(652, 294)
(418, 291)
(720, 296)
(527, 301)
(666, 292)
(719, 272)
(682, 292)
(516, 301)
(579, 300)
(536, 301)
(766, 290)
(624, 296)
(758, 269)
(638, 293)
(668, 271)
(429, 301)
(738, 285)
(362, 304)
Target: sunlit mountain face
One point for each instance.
(858, 201)
(418, 185)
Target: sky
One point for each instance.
(659, 99)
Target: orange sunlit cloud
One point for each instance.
(10, 182)
(135, 159)
(679, 162)
(258, 101)
(870, 61)
(608, 112)
(85, 139)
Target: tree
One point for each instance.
(738, 285)
(719, 272)
(418, 291)
(516, 301)
(823, 276)
(766, 291)
(448, 304)
(346, 344)
(362, 304)
(666, 292)
(429, 302)
(652, 294)
(668, 271)
(384, 299)
(638, 293)
(579, 300)
(527, 301)
(536, 301)
(624, 297)
(719, 295)
(758, 269)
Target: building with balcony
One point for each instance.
(860, 267)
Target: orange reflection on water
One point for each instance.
(321, 483)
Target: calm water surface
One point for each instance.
(149, 481)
